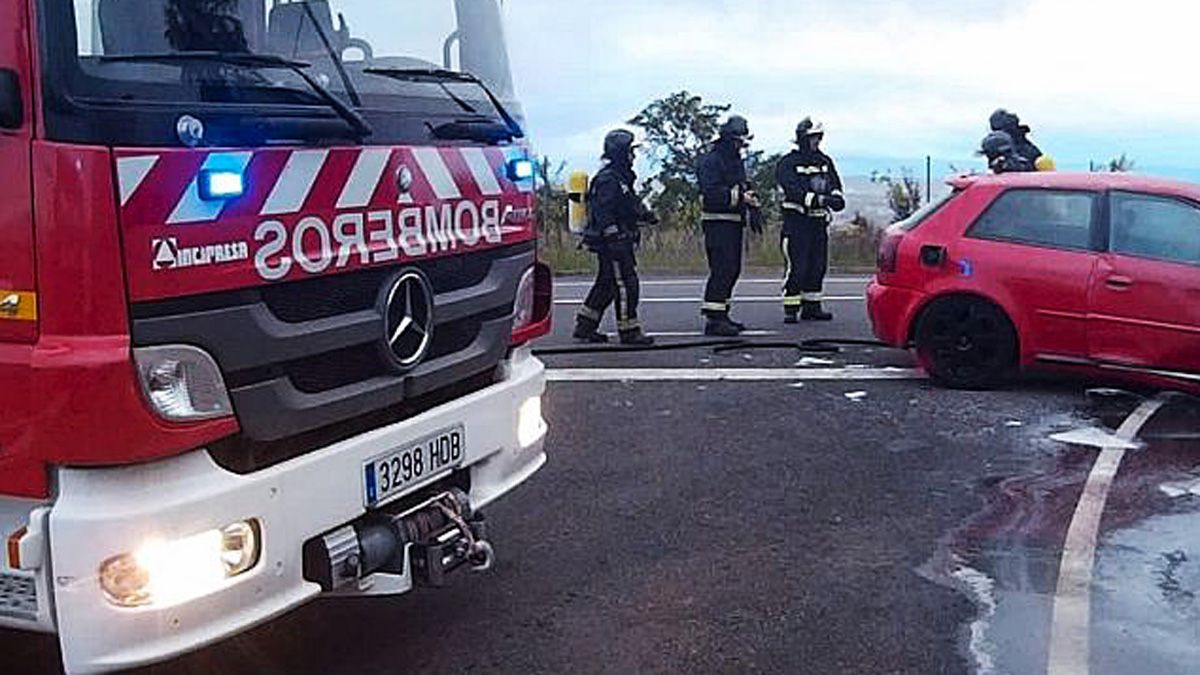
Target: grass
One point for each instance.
(681, 251)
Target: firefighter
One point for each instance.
(615, 216)
(728, 205)
(812, 194)
(1002, 155)
(1006, 122)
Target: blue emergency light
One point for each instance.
(520, 169)
(220, 184)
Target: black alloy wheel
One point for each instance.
(966, 343)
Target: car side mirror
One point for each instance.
(12, 109)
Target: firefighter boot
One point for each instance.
(635, 337)
(587, 330)
(720, 327)
(811, 311)
(791, 315)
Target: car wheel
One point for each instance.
(966, 343)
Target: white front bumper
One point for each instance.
(105, 512)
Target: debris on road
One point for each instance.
(856, 396)
(1095, 438)
(1177, 489)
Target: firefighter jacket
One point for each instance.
(811, 185)
(723, 184)
(615, 211)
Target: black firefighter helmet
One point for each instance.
(808, 128)
(997, 144)
(736, 128)
(1003, 120)
(619, 144)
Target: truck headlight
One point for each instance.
(182, 383)
(169, 572)
(526, 303)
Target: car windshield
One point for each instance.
(339, 42)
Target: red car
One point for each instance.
(1087, 272)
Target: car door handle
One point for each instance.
(1118, 283)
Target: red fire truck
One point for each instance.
(267, 279)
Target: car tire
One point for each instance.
(966, 342)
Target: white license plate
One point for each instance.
(388, 476)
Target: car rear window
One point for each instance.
(1049, 218)
(926, 212)
(1162, 228)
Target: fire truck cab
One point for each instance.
(268, 275)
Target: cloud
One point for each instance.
(889, 78)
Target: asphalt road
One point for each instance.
(824, 513)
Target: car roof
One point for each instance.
(1054, 180)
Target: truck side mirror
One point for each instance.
(12, 110)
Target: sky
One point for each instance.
(893, 80)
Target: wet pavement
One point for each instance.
(826, 519)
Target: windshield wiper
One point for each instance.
(441, 76)
(333, 55)
(247, 60)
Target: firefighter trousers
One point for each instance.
(806, 252)
(616, 283)
(723, 246)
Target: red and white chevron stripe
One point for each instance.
(162, 187)
(159, 201)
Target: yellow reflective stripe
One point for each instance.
(793, 206)
(731, 217)
(793, 300)
(787, 258)
(810, 170)
(18, 306)
(714, 307)
(808, 200)
(589, 313)
(622, 309)
(628, 325)
(812, 297)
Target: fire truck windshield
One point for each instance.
(127, 53)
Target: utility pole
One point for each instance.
(928, 179)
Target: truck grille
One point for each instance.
(18, 597)
(304, 358)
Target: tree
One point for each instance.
(904, 193)
(551, 198)
(1120, 164)
(678, 129)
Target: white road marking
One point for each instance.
(729, 374)
(701, 282)
(1071, 620)
(696, 334)
(736, 301)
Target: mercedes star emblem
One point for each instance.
(408, 319)
(404, 179)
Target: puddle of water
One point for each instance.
(1005, 558)
(1146, 615)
